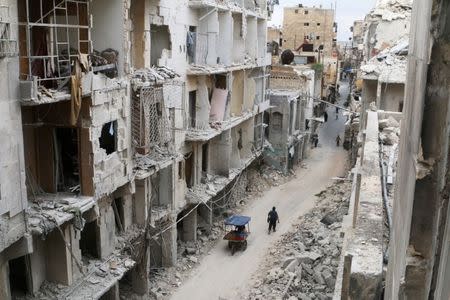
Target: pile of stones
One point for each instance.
(303, 264)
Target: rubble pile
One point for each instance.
(389, 131)
(307, 259)
(144, 77)
(253, 182)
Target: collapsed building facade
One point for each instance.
(397, 229)
(125, 123)
(291, 118)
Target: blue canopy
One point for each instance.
(237, 220)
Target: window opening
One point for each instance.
(160, 41)
(117, 205)
(88, 240)
(205, 150)
(108, 137)
(192, 108)
(18, 277)
(67, 160)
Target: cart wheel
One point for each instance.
(233, 250)
(244, 245)
(230, 245)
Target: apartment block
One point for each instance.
(314, 26)
(126, 122)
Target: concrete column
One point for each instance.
(169, 247)
(107, 228)
(206, 214)
(140, 275)
(5, 292)
(190, 226)
(141, 201)
(59, 262)
(127, 203)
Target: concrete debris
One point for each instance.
(389, 65)
(146, 77)
(310, 253)
(159, 158)
(51, 210)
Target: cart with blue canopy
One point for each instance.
(237, 236)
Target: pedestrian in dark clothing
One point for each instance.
(272, 219)
(316, 142)
(325, 116)
(338, 140)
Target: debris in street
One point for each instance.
(305, 260)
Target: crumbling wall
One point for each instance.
(110, 102)
(387, 23)
(13, 198)
(176, 15)
(421, 201)
(392, 96)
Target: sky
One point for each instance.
(347, 12)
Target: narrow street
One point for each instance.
(222, 276)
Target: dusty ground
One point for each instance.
(222, 276)
(304, 263)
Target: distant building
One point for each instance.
(358, 32)
(315, 25)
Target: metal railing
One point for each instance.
(50, 57)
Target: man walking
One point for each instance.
(325, 116)
(338, 140)
(272, 219)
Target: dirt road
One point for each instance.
(222, 276)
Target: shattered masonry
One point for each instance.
(133, 115)
(399, 214)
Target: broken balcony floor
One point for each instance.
(51, 210)
(98, 279)
(147, 165)
(206, 191)
(197, 135)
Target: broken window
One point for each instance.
(160, 41)
(192, 108)
(306, 12)
(306, 24)
(88, 240)
(52, 35)
(108, 137)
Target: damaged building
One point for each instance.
(397, 228)
(124, 123)
(290, 121)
